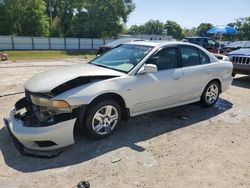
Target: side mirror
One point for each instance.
(148, 68)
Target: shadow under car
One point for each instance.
(136, 130)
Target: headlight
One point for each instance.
(49, 103)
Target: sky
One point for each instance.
(189, 13)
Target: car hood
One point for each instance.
(72, 76)
(242, 51)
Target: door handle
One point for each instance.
(177, 77)
(209, 71)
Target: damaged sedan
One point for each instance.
(127, 81)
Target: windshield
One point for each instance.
(123, 58)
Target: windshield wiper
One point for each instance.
(108, 67)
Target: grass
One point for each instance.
(47, 55)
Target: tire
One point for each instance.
(211, 94)
(102, 118)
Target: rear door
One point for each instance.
(196, 69)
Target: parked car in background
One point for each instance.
(115, 43)
(127, 81)
(208, 43)
(235, 46)
(241, 60)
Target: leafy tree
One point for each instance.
(203, 28)
(174, 29)
(23, 17)
(154, 27)
(101, 18)
(134, 29)
(189, 32)
(55, 28)
(243, 27)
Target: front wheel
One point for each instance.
(102, 119)
(210, 94)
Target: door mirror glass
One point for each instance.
(147, 68)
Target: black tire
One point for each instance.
(205, 99)
(88, 122)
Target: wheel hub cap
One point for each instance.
(212, 93)
(105, 120)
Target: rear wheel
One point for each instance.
(102, 118)
(211, 94)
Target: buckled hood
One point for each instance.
(46, 81)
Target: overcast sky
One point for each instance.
(189, 13)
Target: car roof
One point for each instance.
(160, 43)
(194, 37)
(121, 41)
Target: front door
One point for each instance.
(153, 91)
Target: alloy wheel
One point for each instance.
(105, 120)
(212, 93)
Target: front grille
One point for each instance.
(241, 60)
(27, 95)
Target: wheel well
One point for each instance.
(118, 99)
(218, 81)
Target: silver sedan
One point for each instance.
(129, 80)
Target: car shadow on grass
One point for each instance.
(243, 81)
(136, 130)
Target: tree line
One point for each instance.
(173, 28)
(92, 18)
(64, 18)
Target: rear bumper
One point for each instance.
(40, 138)
(226, 83)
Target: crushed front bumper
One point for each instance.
(36, 138)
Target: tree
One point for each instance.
(189, 32)
(61, 13)
(23, 17)
(153, 27)
(203, 28)
(174, 29)
(243, 27)
(134, 29)
(101, 18)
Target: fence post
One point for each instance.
(12, 43)
(65, 44)
(32, 40)
(49, 44)
(79, 43)
(92, 44)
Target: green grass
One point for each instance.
(47, 55)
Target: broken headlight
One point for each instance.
(45, 109)
(40, 101)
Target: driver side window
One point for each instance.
(165, 59)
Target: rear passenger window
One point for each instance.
(204, 58)
(190, 56)
(165, 59)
